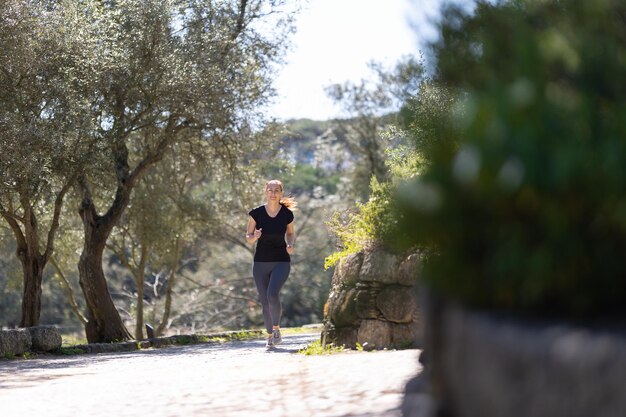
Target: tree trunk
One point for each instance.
(170, 290)
(104, 323)
(139, 318)
(33, 263)
(168, 304)
(140, 281)
(32, 267)
(28, 250)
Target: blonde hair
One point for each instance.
(288, 202)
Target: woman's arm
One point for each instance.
(252, 233)
(290, 237)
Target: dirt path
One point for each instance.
(233, 379)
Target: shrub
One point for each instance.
(360, 227)
(528, 212)
(422, 131)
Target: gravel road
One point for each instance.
(239, 379)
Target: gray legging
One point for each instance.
(269, 278)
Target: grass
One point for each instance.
(70, 351)
(316, 348)
(73, 339)
(243, 335)
(11, 355)
(309, 328)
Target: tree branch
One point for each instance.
(69, 291)
(225, 295)
(12, 220)
(240, 19)
(87, 208)
(58, 204)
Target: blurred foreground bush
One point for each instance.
(527, 212)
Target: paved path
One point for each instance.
(238, 379)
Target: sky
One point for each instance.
(335, 40)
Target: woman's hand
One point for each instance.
(290, 238)
(253, 237)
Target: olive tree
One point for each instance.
(194, 200)
(41, 128)
(166, 72)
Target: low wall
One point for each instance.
(373, 301)
(488, 365)
(30, 339)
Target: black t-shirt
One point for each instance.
(271, 246)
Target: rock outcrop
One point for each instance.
(373, 301)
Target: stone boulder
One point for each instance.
(409, 270)
(366, 297)
(405, 335)
(342, 336)
(45, 338)
(348, 270)
(14, 342)
(344, 311)
(397, 303)
(374, 334)
(378, 266)
(373, 301)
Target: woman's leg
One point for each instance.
(278, 277)
(261, 273)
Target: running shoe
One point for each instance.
(276, 336)
(270, 341)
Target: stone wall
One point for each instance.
(373, 301)
(485, 364)
(29, 339)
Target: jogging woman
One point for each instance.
(271, 226)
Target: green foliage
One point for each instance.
(232, 336)
(375, 221)
(309, 328)
(316, 348)
(12, 356)
(185, 339)
(371, 108)
(315, 169)
(393, 158)
(69, 351)
(364, 225)
(425, 127)
(528, 212)
(73, 339)
(307, 178)
(244, 335)
(10, 281)
(147, 78)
